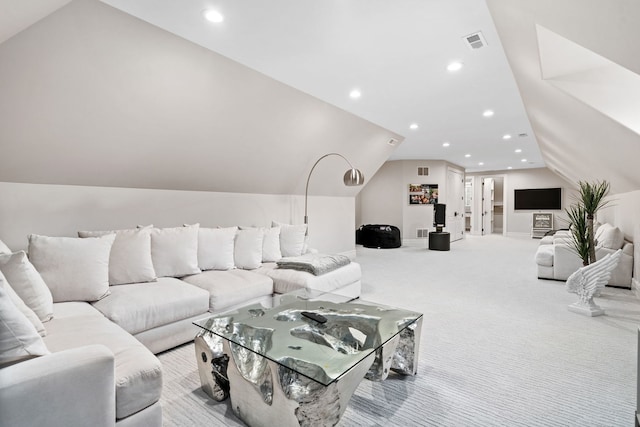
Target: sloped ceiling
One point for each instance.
(577, 141)
(94, 96)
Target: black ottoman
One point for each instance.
(378, 236)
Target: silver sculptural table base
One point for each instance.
(266, 393)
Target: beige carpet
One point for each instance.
(499, 347)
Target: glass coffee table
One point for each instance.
(299, 361)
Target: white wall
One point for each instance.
(93, 96)
(385, 198)
(62, 210)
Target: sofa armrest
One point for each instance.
(68, 388)
(565, 261)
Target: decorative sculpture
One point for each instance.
(588, 281)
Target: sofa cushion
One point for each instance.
(19, 339)
(270, 243)
(4, 249)
(292, 238)
(247, 252)
(130, 257)
(174, 251)
(215, 248)
(287, 280)
(229, 288)
(544, 255)
(74, 269)
(611, 238)
(24, 309)
(28, 284)
(138, 373)
(138, 307)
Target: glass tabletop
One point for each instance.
(318, 335)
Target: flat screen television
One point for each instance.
(538, 199)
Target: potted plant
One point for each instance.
(590, 199)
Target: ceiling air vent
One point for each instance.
(423, 171)
(475, 40)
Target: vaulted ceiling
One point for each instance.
(133, 95)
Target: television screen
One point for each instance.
(538, 199)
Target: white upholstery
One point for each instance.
(558, 260)
(70, 388)
(247, 252)
(287, 280)
(138, 373)
(544, 255)
(130, 258)
(74, 269)
(174, 251)
(22, 307)
(19, 339)
(215, 248)
(138, 307)
(27, 283)
(292, 238)
(4, 249)
(228, 288)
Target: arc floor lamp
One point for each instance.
(352, 177)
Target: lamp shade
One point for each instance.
(353, 177)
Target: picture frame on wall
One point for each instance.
(423, 194)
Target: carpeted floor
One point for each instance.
(499, 347)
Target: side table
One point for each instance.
(439, 241)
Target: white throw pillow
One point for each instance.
(130, 258)
(215, 248)
(270, 243)
(19, 339)
(28, 284)
(248, 249)
(292, 238)
(174, 251)
(4, 249)
(597, 235)
(74, 269)
(17, 301)
(611, 238)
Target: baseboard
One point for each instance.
(518, 234)
(415, 242)
(351, 254)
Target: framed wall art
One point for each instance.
(423, 194)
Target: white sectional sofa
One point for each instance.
(556, 259)
(107, 302)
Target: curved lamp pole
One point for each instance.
(352, 177)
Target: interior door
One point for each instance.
(487, 206)
(455, 204)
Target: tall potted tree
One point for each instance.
(590, 199)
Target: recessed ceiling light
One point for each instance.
(518, 150)
(445, 144)
(454, 66)
(507, 136)
(487, 113)
(413, 126)
(467, 155)
(480, 163)
(213, 16)
(509, 167)
(355, 94)
(523, 160)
